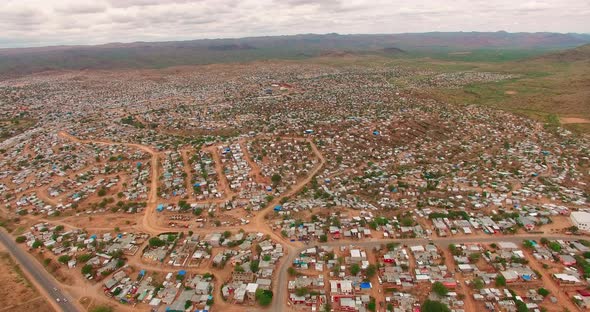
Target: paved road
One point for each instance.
(442, 242)
(38, 273)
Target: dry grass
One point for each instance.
(16, 291)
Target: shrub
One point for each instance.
(543, 292)
(440, 289)
(263, 297)
(434, 306)
(156, 242)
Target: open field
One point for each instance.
(543, 85)
(16, 291)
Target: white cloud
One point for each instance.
(41, 22)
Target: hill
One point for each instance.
(551, 87)
(581, 53)
(22, 61)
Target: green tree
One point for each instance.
(555, 246)
(371, 270)
(276, 178)
(21, 239)
(301, 291)
(64, 259)
(87, 269)
(156, 242)
(434, 306)
(355, 269)
(478, 283)
(102, 192)
(254, 264)
(543, 292)
(521, 306)
(372, 306)
(500, 280)
(440, 289)
(263, 297)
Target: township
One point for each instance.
(292, 187)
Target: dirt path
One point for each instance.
(376, 289)
(221, 178)
(469, 304)
(149, 221)
(184, 153)
(550, 284)
(573, 120)
(255, 172)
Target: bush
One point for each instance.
(84, 258)
(371, 270)
(301, 291)
(434, 306)
(355, 269)
(102, 192)
(254, 265)
(500, 280)
(276, 178)
(440, 289)
(21, 239)
(263, 297)
(478, 283)
(156, 242)
(372, 306)
(64, 258)
(102, 308)
(87, 269)
(543, 292)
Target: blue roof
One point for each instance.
(526, 277)
(182, 272)
(278, 207)
(365, 285)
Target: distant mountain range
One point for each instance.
(22, 61)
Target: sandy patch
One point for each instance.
(16, 292)
(511, 92)
(573, 120)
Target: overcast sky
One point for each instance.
(50, 22)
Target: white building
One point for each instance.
(581, 220)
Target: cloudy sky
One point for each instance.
(50, 22)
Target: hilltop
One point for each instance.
(22, 61)
(581, 53)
